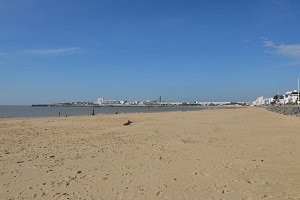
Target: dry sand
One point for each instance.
(247, 153)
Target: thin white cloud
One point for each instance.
(289, 50)
(53, 52)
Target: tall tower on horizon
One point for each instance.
(298, 93)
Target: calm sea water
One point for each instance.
(29, 111)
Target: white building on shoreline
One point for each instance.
(287, 98)
(291, 97)
(261, 101)
(101, 101)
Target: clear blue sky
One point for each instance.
(71, 50)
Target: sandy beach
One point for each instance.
(245, 153)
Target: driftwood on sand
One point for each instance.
(127, 123)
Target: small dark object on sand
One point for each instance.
(127, 123)
(93, 112)
(117, 113)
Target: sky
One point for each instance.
(77, 50)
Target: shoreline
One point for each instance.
(119, 113)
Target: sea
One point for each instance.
(46, 111)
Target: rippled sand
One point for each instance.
(246, 153)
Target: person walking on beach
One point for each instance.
(58, 114)
(93, 112)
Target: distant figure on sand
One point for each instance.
(117, 112)
(93, 112)
(58, 114)
(66, 115)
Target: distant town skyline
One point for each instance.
(63, 51)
